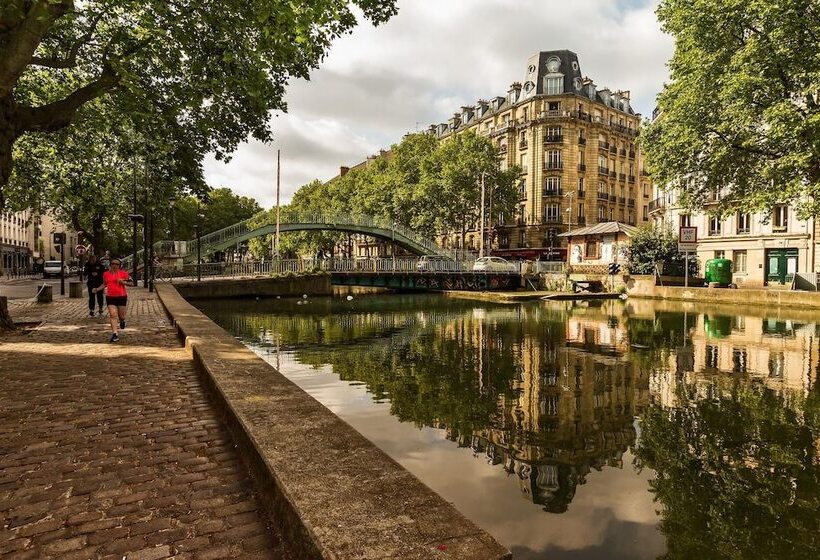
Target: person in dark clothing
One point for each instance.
(93, 271)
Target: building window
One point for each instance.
(646, 190)
(645, 212)
(554, 159)
(554, 105)
(522, 238)
(720, 254)
(743, 221)
(581, 212)
(601, 214)
(739, 261)
(522, 189)
(554, 134)
(553, 86)
(552, 213)
(591, 249)
(685, 220)
(780, 217)
(714, 225)
(552, 186)
(580, 184)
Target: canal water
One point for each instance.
(609, 430)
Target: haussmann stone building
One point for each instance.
(576, 145)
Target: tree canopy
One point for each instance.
(421, 183)
(741, 112)
(204, 73)
(651, 245)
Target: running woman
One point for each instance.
(116, 297)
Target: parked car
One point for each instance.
(54, 268)
(494, 264)
(436, 263)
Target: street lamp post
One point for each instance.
(173, 203)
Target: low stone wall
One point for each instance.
(745, 297)
(334, 494)
(285, 286)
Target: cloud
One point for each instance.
(417, 69)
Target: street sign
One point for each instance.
(688, 239)
(79, 250)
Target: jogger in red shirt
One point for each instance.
(116, 296)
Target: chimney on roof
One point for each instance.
(625, 94)
(515, 86)
(343, 170)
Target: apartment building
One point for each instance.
(576, 146)
(15, 240)
(765, 248)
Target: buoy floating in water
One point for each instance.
(304, 296)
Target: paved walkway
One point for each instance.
(113, 450)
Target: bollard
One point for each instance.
(44, 294)
(75, 289)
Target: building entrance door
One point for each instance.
(781, 266)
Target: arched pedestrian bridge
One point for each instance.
(259, 226)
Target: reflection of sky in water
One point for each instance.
(612, 516)
(556, 389)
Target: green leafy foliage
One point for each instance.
(208, 72)
(652, 245)
(742, 108)
(423, 184)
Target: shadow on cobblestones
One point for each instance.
(113, 450)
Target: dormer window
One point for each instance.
(553, 85)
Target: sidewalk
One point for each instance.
(113, 450)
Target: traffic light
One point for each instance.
(59, 238)
(613, 268)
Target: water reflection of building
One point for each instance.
(572, 410)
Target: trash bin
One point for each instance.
(44, 294)
(75, 289)
(718, 272)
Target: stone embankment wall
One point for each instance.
(333, 493)
(284, 286)
(644, 287)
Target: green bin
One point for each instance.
(718, 271)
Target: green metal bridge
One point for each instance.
(257, 226)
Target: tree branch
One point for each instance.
(57, 115)
(22, 41)
(71, 60)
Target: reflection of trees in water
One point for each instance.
(738, 471)
(498, 379)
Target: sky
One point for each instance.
(379, 83)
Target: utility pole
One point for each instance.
(481, 227)
(150, 261)
(276, 238)
(134, 233)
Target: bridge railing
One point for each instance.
(333, 265)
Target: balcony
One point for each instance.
(631, 179)
(603, 171)
(613, 149)
(603, 146)
(553, 139)
(581, 194)
(603, 196)
(621, 200)
(581, 221)
(552, 219)
(630, 203)
(522, 145)
(622, 176)
(582, 167)
(623, 152)
(613, 174)
(553, 166)
(553, 192)
(657, 205)
(631, 155)
(582, 141)
(613, 198)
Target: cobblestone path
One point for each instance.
(113, 450)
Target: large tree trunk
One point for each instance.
(8, 134)
(5, 319)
